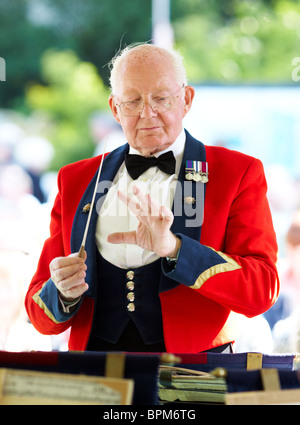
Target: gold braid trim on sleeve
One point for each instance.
(229, 266)
(36, 297)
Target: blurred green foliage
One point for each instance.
(242, 41)
(94, 29)
(56, 53)
(73, 91)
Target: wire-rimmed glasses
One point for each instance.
(159, 104)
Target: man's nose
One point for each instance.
(147, 110)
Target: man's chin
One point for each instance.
(151, 146)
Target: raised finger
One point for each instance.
(166, 215)
(122, 237)
(149, 206)
(132, 204)
(142, 204)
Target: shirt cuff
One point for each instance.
(67, 306)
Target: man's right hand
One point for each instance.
(68, 275)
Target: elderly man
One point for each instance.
(174, 250)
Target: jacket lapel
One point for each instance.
(188, 206)
(187, 217)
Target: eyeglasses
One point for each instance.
(159, 104)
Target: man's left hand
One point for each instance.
(153, 232)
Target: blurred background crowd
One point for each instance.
(242, 56)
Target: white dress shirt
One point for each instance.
(114, 215)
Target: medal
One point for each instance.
(197, 171)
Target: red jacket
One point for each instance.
(230, 270)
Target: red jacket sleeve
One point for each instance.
(39, 314)
(41, 301)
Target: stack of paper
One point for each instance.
(180, 385)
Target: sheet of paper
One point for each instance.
(281, 397)
(28, 387)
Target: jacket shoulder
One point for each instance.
(81, 165)
(232, 161)
(218, 155)
(222, 153)
(79, 173)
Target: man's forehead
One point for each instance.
(145, 74)
(144, 54)
(147, 81)
(138, 64)
(147, 85)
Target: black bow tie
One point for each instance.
(137, 164)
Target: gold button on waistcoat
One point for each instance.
(130, 296)
(130, 275)
(131, 307)
(130, 286)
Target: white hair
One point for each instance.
(175, 58)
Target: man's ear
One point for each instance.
(114, 109)
(189, 96)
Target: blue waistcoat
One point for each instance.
(128, 294)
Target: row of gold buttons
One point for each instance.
(130, 287)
